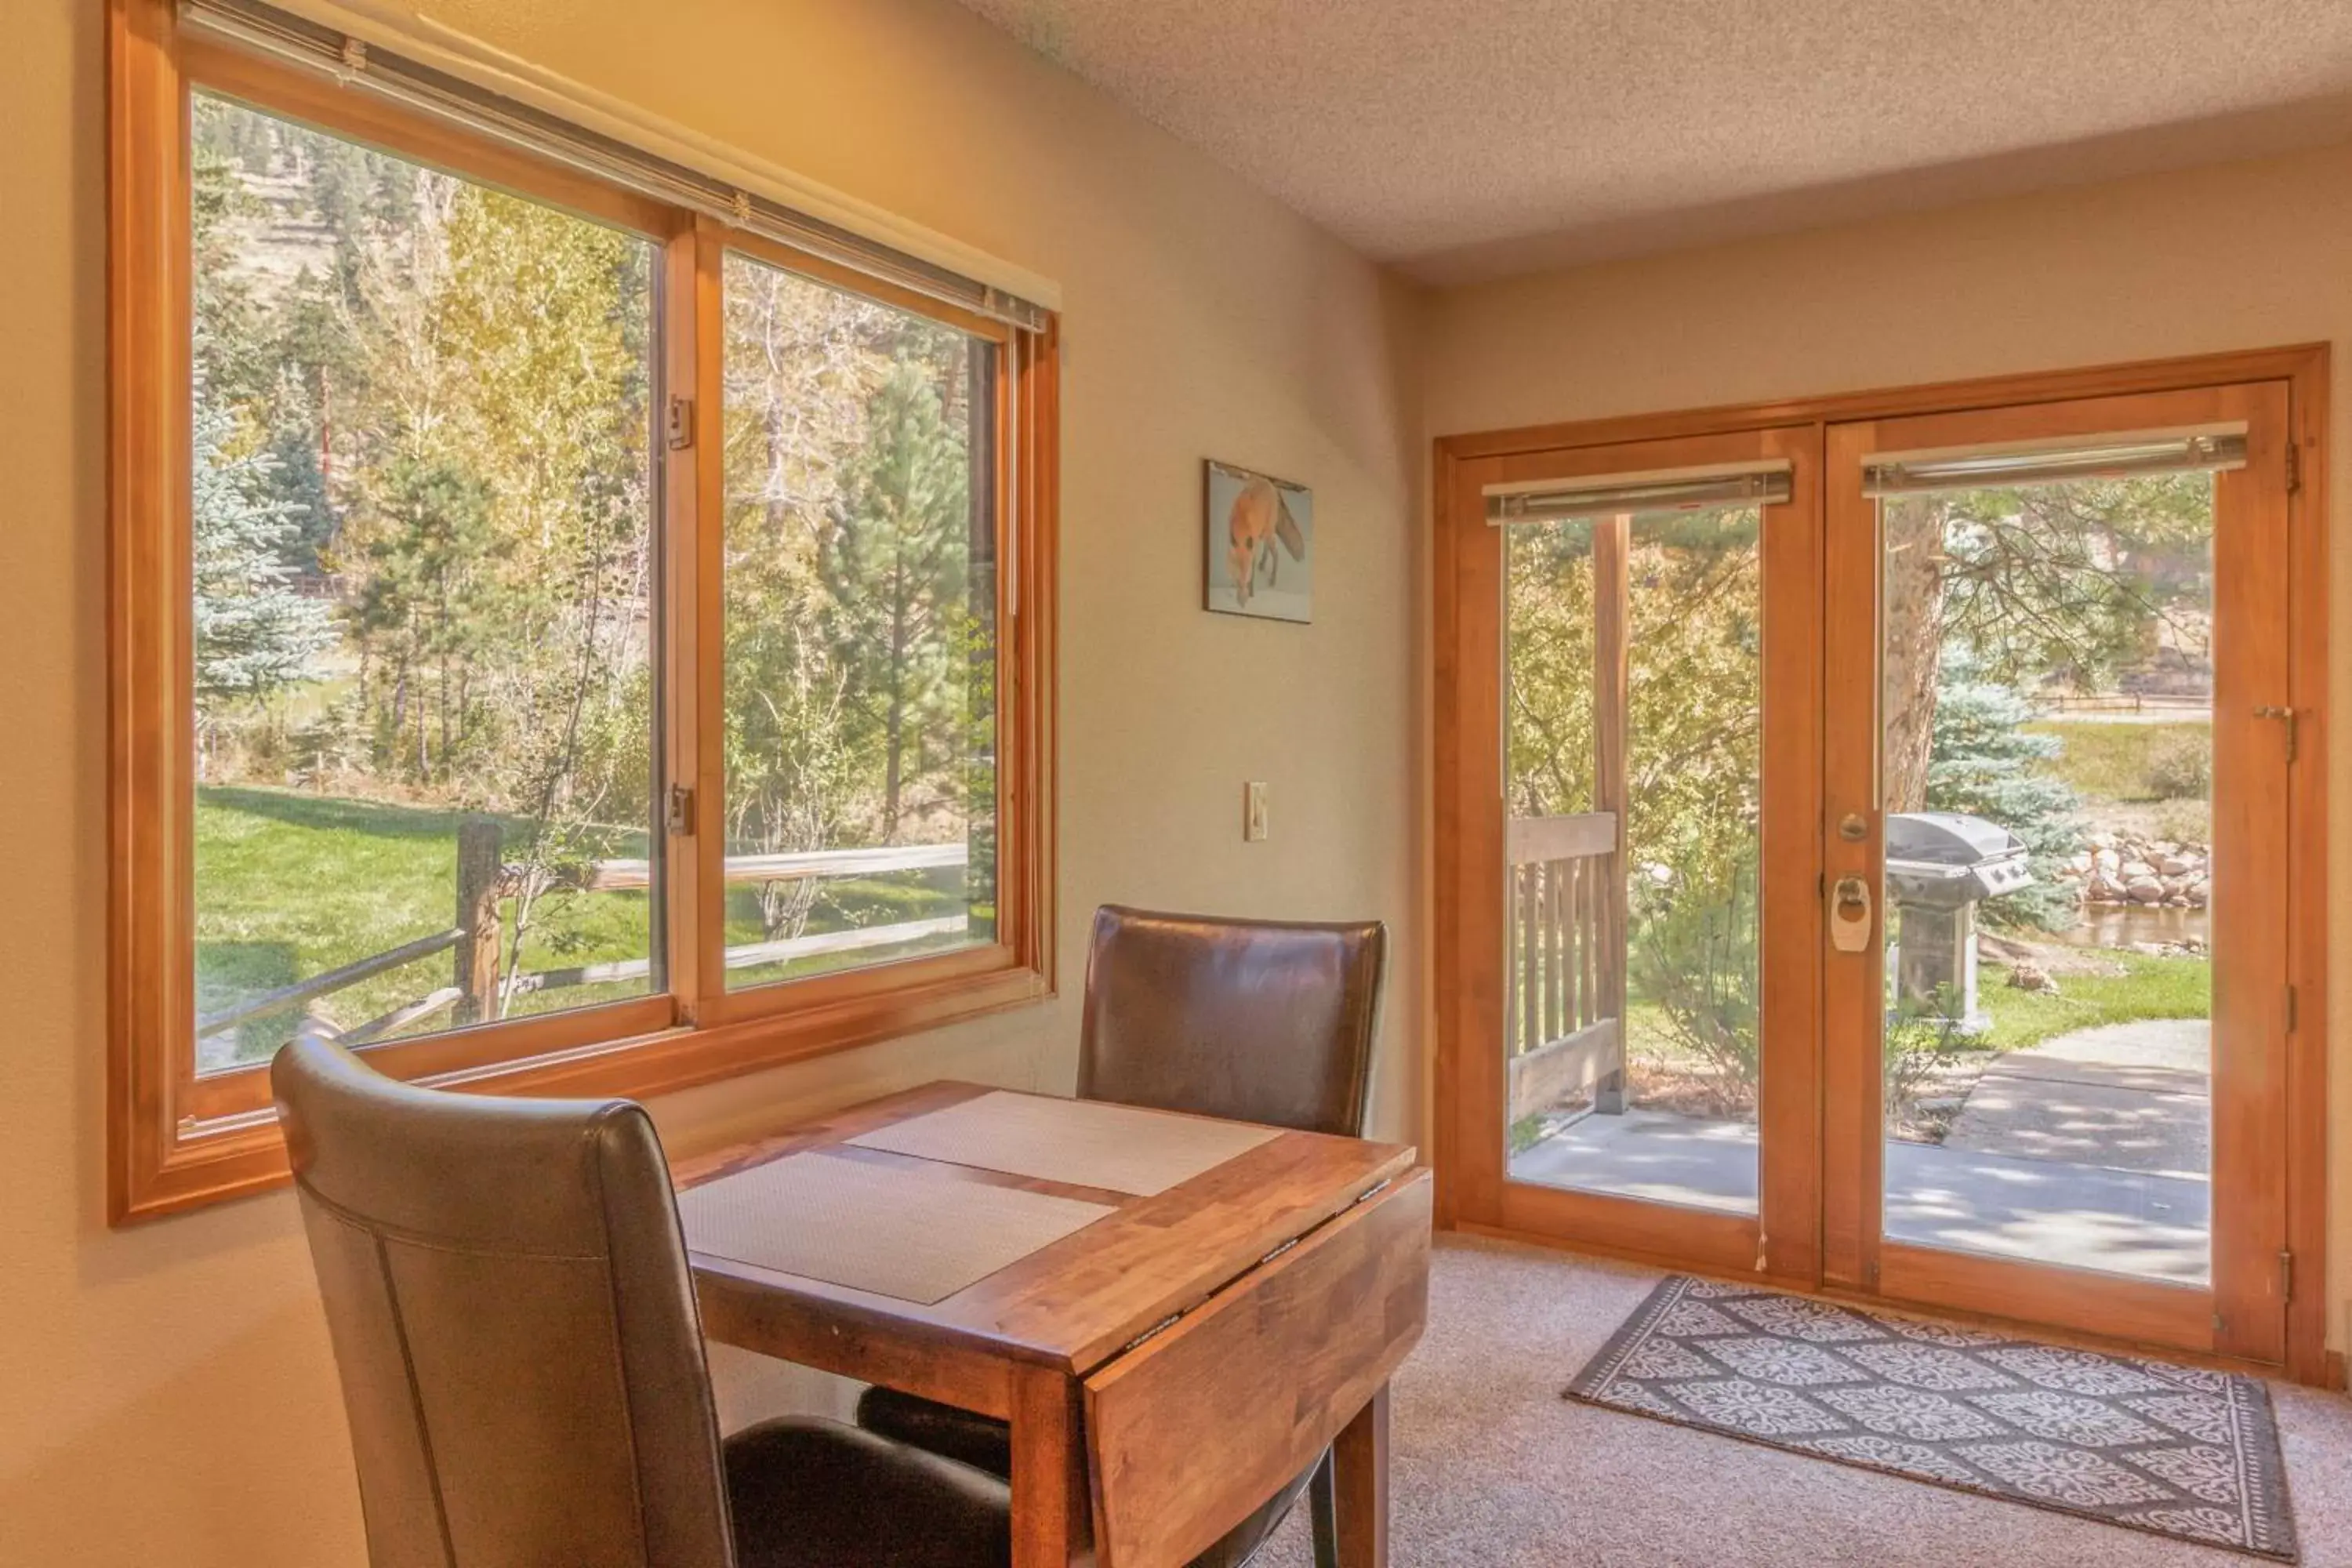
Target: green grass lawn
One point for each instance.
(290, 885)
(2110, 762)
(2150, 988)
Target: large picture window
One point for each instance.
(563, 640)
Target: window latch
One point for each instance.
(679, 424)
(680, 817)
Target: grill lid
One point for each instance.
(1948, 839)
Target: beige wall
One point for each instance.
(165, 1392)
(2240, 255)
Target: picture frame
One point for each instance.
(1257, 545)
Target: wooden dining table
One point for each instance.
(1176, 1314)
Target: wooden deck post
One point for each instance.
(1611, 601)
(480, 868)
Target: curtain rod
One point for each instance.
(1763, 484)
(2110, 460)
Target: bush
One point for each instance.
(2180, 764)
(1921, 1037)
(1693, 953)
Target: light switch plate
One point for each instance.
(1253, 811)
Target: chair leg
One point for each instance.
(1323, 1498)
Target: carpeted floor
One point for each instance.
(1495, 1469)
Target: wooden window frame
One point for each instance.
(176, 1140)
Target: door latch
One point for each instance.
(2284, 716)
(1850, 915)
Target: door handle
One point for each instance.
(1850, 915)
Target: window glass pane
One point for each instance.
(423, 595)
(2047, 759)
(860, 592)
(1634, 692)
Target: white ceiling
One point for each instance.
(1471, 139)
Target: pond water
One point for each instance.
(2122, 927)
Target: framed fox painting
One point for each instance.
(1259, 545)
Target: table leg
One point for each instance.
(1360, 1462)
(1052, 1519)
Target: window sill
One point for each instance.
(242, 1153)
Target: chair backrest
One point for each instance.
(513, 1321)
(1256, 1020)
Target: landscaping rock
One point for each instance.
(2123, 869)
(2033, 978)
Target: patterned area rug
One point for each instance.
(2179, 1452)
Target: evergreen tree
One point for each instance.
(1986, 763)
(255, 633)
(896, 565)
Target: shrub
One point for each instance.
(1694, 952)
(1921, 1037)
(2180, 764)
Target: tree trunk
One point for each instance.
(1914, 532)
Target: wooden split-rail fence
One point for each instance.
(477, 938)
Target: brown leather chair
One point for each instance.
(523, 1362)
(1255, 1020)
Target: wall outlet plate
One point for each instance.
(1253, 825)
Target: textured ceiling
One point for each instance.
(1467, 139)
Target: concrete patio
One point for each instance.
(2091, 1151)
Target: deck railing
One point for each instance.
(1564, 991)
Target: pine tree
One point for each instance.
(254, 632)
(896, 565)
(1984, 762)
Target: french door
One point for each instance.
(1868, 855)
(1629, 822)
(2065, 1102)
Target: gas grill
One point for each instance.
(1940, 865)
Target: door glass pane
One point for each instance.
(860, 604)
(422, 596)
(2047, 775)
(1634, 690)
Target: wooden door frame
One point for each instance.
(1781, 1240)
(1460, 916)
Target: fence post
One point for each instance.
(481, 868)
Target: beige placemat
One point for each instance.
(895, 1230)
(1085, 1142)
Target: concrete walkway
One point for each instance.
(2127, 1097)
(2091, 1151)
